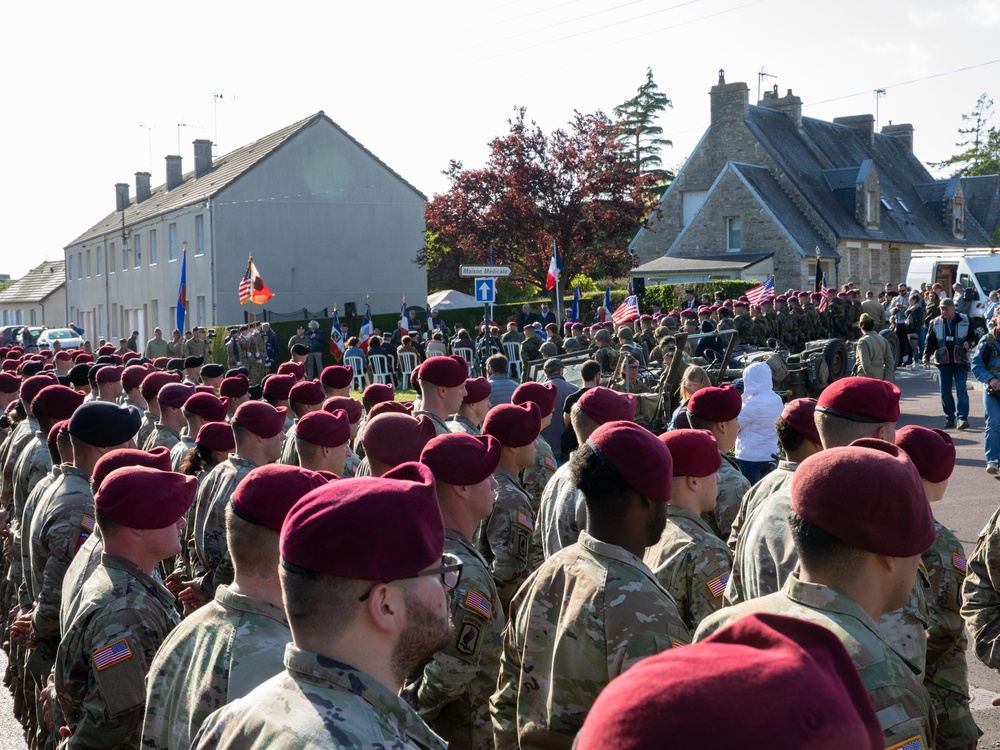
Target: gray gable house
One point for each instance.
(37, 298)
(766, 190)
(325, 220)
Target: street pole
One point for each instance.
(558, 298)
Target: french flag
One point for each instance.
(555, 267)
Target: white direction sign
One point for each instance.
(489, 272)
(484, 290)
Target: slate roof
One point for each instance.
(38, 284)
(225, 170)
(732, 261)
(982, 199)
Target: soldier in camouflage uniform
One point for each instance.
(820, 320)
(803, 325)
(150, 388)
(691, 562)
(198, 345)
(604, 355)
(854, 316)
(475, 406)
(535, 477)
(167, 432)
(531, 347)
(175, 347)
(744, 324)
(442, 389)
(322, 698)
(761, 330)
(452, 695)
(788, 332)
(256, 355)
(236, 642)
(124, 613)
(595, 588)
(504, 538)
(837, 529)
(199, 409)
(771, 319)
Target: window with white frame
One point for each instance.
(199, 235)
(137, 251)
(152, 247)
(733, 234)
(172, 231)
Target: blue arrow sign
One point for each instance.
(484, 290)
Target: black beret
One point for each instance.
(31, 368)
(103, 424)
(255, 392)
(233, 372)
(106, 359)
(300, 349)
(190, 362)
(175, 364)
(79, 374)
(212, 370)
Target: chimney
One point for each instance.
(864, 124)
(141, 186)
(903, 132)
(790, 104)
(202, 157)
(730, 101)
(121, 196)
(174, 174)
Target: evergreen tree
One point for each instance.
(637, 122)
(981, 146)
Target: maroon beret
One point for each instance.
(395, 439)
(216, 436)
(58, 402)
(160, 362)
(351, 405)
(816, 295)
(370, 528)
(267, 493)
(694, 452)
(931, 450)
(803, 294)
(292, 368)
(308, 392)
(324, 428)
(376, 393)
(279, 386)
(175, 394)
(476, 390)
(63, 356)
(263, 420)
(859, 492)
(604, 405)
(142, 498)
(542, 395)
(158, 458)
(514, 425)
(106, 349)
(111, 374)
(387, 407)
(154, 382)
(757, 662)
(9, 383)
(716, 404)
(449, 372)
(30, 387)
(203, 388)
(642, 460)
(9, 365)
(207, 406)
(235, 386)
(798, 413)
(53, 435)
(133, 375)
(130, 356)
(861, 399)
(336, 376)
(461, 458)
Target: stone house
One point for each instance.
(36, 299)
(767, 190)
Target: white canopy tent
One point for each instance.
(449, 299)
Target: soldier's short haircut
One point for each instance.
(789, 438)
(498, 364)
(581, 423)
(108, 527)
(820, 550)
(837, 431)
(604, 489)
(254, 548)
(317, 603)
(590, 369)
(305, 449)
(699, 423)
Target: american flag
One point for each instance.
(959, 562)
(252, 286)
(478, 603)
(626, 311)
(761, 293)
(825, 288)
(718, 585)
(914, 743)
(116, 652)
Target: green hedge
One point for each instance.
(671, 296)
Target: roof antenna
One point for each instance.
(184, 125)
(760, 76)
(878, 94)
(218, 96)
(149, 134)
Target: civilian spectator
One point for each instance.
(497, 368)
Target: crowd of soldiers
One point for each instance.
(194, 562)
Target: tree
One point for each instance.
(573, 186)
(981, 146)
(637, 121)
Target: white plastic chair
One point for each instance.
(469, 355)
(357, 364)
(380, 368)
(513, 352)
(408, 362)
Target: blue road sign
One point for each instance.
(484, 290)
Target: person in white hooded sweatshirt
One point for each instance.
(757, 441)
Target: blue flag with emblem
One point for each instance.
(574, 313)
(182, 300)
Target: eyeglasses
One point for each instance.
(450, 572)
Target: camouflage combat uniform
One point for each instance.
(211, 565)
(84, 563)
(619, 613)
(217, 654)
(531, 349)
(803, 325)
(163, 435)
(289, 453)
(901, 702)
(180, 450)
(504, 539)
(256, 356)
(606, 357)
(788, 330)
(106, 651)
(692, 563)
(732, 487)
(146, 427)
(351, 465)
(317, 702)
(562, 515)
(744, 329)
(779, 479)
(440, 426)
(458, 423)
(453, 694)
(536, 476)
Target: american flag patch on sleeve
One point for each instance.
(109, 655)
(525, 520)
(550, 463)
(914, 743)
(87, 523)
(959, 562)
(717, 585)
(478, 603)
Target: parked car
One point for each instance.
(12, 335)
(67, 338)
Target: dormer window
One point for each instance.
(871, 208)
(958, 216)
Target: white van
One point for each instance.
(976, 269)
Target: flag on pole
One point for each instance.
(403, 325)
(604, 312)
(574, 313)
(252, 287)
(555, 267)
(825, 288)
(366, 329)
(627, 310)
(182, 299)
(761, 293)
(495, 281)
(336, 337)
(819, 273)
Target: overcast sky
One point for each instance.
(94, 92)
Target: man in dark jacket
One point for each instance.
(950, 337)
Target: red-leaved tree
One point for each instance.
(578, 187)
